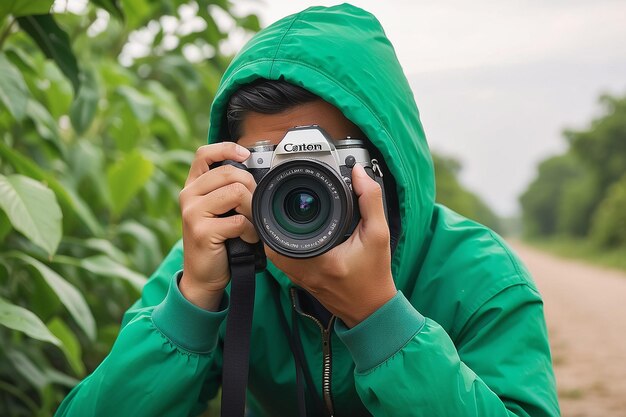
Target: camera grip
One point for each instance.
(238, 250)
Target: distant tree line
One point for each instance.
(451, 193)
(582, 193)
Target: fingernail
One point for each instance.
(241, 151)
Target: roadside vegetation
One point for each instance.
(576, 206)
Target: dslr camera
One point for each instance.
(304, 204)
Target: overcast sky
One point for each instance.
(497, 81)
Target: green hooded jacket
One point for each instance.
(464, 336)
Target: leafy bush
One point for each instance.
(574, 194)
(609, 221)
(92, 157)
(577, 202)
(452, 194)
(542, 200)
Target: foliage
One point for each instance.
(453, 195)
(540, 202)
(577, 202)
(581, 193)
(93, 154)
(609, 221)
(602, 147)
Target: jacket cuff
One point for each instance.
(382, 334)
(187, 325)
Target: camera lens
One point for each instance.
(301, 206)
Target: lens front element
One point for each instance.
(302, 207)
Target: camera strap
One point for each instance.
(244, 259)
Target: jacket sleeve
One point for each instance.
(407, 365)
(165, 361)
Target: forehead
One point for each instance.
(272, 127)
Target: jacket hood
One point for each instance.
(342, 54)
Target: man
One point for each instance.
(426, 314)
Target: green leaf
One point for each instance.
(32, 209)
(5, 226)
(126, 178)
(60, 378)
(175, 156)
(86, 161)
(138, 12)
(106, 248)
(105, 266)
(13, 90)
(54, 43)
(45, 124)
(42, 300)
(169, 110)
(71, 347)
(71, 298)
(124, 128)
(212, 33)
(250, 22)
(147, 251)
(84, 107)
(27, 368)
(20, 319)
(177, 69)
(141, 106)
(111, 6)
(24, 7)
(71, 203)
(57, 90)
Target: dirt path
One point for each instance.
(585, 309)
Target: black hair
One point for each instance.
(263, 96)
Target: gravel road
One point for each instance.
(585, 309)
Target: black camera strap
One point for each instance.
(244, 259)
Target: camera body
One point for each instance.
(304, 204)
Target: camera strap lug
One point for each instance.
(376, 168)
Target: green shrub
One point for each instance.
(92, 157)
(609, 220)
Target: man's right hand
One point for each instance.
(209, 193)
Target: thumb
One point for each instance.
(370, 197)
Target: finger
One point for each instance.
(231, 227)
(216, 152)
(370, 197)
(220, 177)
(234, 196)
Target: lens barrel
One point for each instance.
(302, 208)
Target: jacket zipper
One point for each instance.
(326, 351)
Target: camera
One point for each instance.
(304, 204)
